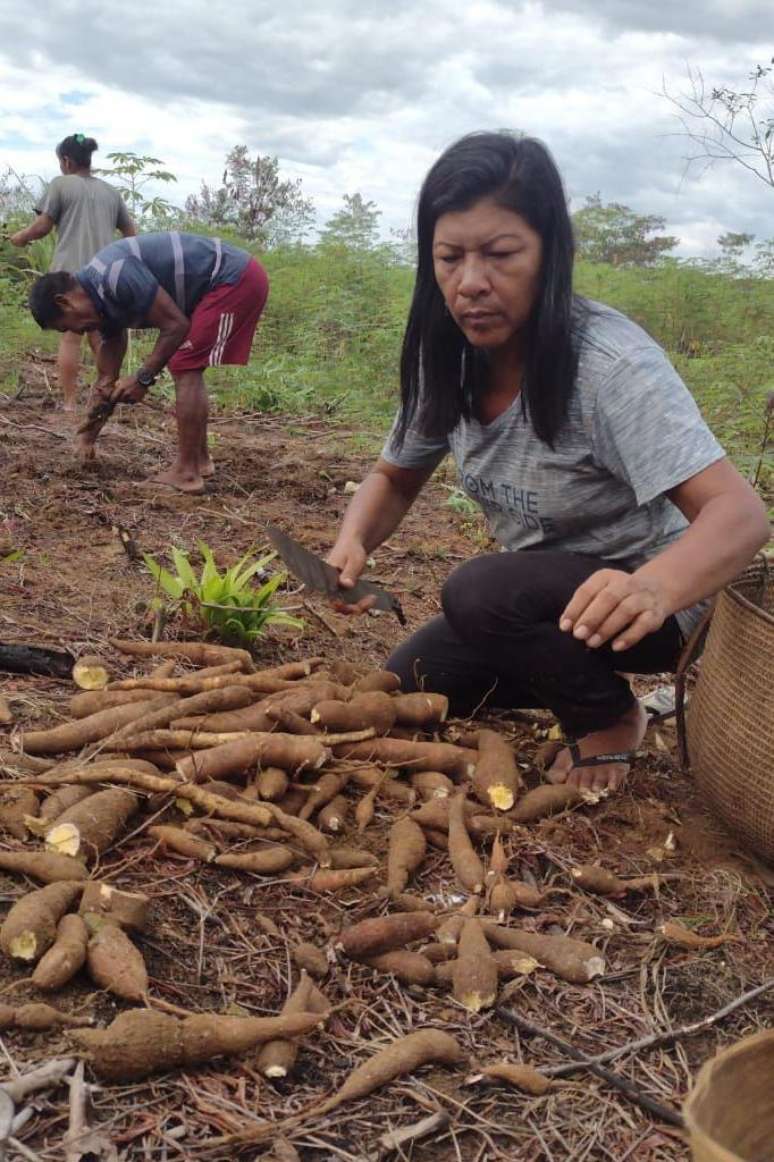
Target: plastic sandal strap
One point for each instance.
(600, 760)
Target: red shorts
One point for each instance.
(224, 322)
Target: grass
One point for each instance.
(329, 341)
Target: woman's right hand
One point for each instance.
(349, 557)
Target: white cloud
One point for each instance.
(361, 95)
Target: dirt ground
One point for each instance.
(73, 584)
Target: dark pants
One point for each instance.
(498, 642)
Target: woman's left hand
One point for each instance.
(614, 605)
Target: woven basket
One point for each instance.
(730, 718)
(730, 1111)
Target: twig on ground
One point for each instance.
(395, 1140)
(35, 428)
(633, 1092)
(667, 1037)
(331, 628)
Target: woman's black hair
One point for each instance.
(43, 295)
(440, 371)
(78, 148)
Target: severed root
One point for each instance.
(65, 957)
(200, 653)
(113, 961)
(183, 842)
(606, 883)
(45, 866)
(37, 1016)
(403, 1056)
(474, 976)
(126, 909)
(683, 937)
(334, 879)
(523, 1077)
(142, 1041)
(29, 929)
(17, 805)
(496, 779)
(372, 937)
(572, 960)
(89, 827)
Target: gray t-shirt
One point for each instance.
(87, 212)
(633, 432)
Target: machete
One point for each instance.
(319, 575)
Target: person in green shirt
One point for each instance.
(86, 212)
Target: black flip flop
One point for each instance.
(600, 760)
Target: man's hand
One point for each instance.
(349, 557)
(127, 390)
(614, 605)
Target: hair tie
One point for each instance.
(79, 138)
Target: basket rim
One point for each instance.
(702, 1079)
(750, 606)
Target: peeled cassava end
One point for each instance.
(90, 673)
(87, 828)
(501, 797)
(63, 839)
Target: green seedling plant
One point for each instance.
(459, 501)
(225, 605)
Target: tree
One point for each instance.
(764, 258)
(254, 201)
(613, 233)
(725, 124)
(732, 246)
(133, 172)
(355, 226)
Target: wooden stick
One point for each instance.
(394, 1141)
(665, 1038)
(664, 1113)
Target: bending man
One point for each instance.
(203, 296)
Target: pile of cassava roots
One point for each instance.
(279, 773)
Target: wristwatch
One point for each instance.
(145, 378)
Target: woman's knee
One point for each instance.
(465, 592)
(500, 592)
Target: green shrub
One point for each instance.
(225, 605)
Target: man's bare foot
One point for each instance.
(625, 735)
(85, 451)
(183, 481)
(206, 467)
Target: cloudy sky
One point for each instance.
(361, 95)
